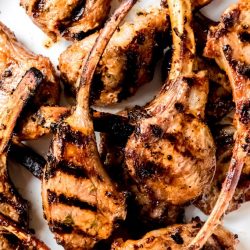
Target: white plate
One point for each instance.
(15, 18)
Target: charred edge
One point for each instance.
(244, 112)
(81, 35)
(64, 228)
(177, 238)
(69, 201)
(231, 18)
(240, 67)
(73, 16)
(116, 125)
(28, 158)
(19, 206)
(38, 8)
(244, 37)
(74, 137)
(37, 73)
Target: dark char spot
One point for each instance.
(177, 238)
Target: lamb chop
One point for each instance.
(16, 60)
(128, 61)
(12, 205)
(72, 19)
(171, 155)
(223, 132)
(80, 202)
(228, 43)
(177, 237)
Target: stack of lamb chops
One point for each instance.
(173, 120)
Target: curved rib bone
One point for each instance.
(231, 52)
(75, 172)
(171, 154)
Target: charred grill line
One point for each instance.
(67, 228)
(70, 201)
(28, 158)
(65, 167)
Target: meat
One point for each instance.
(171, 155)
(223, 132)
(18, 237)
(229, 45)
(72, 19)
(128, 61)
(177, 237)
(80, 202)
(11, 204)
(16, 60)
(43, 121)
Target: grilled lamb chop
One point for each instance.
(177, 237)
(229, 44)
(223, 132)
(72, 19)
(171, 155)
(128, 61)
(13, 102)
(16, 60)
(80, 202)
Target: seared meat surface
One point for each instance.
(177, 237)
(72, 19)
(228, 43)
(128, 61)
(171, 155)
(80, 202)
(16, 60)
(223, 132)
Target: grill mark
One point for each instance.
(38, 8)
(69, 201)
(63, 228)
(74, 137)
(64, 167)
(71, 169)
